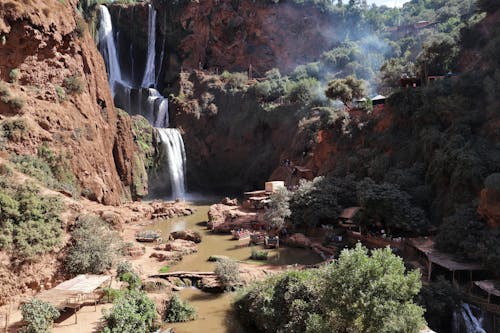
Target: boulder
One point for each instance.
(181, 246)
(229, 202)
(189, 235)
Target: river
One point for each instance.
(214, 310)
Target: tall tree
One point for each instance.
(346, 89)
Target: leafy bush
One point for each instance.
(259, 255)
(178, 310)
(38, 316)
(30, 224)
(337, 297)
(14, 75)
(440, 300)
(132, 312)
(228, 272)
(73, 84)
(94, 246)
(278, 209)
(15, 130)
(61, 93)
(235, 81)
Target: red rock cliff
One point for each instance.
(44, 43)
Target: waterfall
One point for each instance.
(149, 78)
(465, 321)
(176, 159)
(108, 48)
(144, 100)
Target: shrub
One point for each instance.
(259, 255)
(14, 130)
(73, 84)
(358, 293)
(38, 316)
(178, 310)
(94, 246)
(132, 312)
(17, 102)
(14, 75)
(30, 224)
(61, 94)
(34, 167)
(228, 272)
(235, 81)
(278, 209)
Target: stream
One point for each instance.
(214, 310)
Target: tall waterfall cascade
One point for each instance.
(174, 147)
(107, 48)
(142, 98)
(149, 78)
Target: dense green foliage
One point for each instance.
(94, 246)
(178, 310)
(359, 293)
(440, 299)
(132, 312)
(228, 272)
(30, 223)
(278, 209)
(38, 316)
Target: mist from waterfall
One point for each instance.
(145, 100)
(108, 48)
(176, 158)
(149, 79)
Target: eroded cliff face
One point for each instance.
(48, 47)
(220, 35)
(233, 144)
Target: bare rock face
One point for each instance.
(181, 246)
(62, 81)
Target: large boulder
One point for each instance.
(298, 240)
(189, 235)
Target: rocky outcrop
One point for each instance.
(59, 81)
(489, 206)
(188, 235)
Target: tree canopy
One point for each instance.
(360, 293)
(346, 89)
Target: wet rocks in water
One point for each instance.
(170, 256)
(180, 245)
(189, 235)
(162, 209)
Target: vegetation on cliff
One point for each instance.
(357, 293)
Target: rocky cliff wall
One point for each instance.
(220, 35)
(49, 62)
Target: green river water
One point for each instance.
(214, 310)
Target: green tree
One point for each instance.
(179, 311)
(132, 312)
(94, 246)
(228, 272)
(438, 56)
(38, 316)
(371, 294)
(279, 209)
(359, 293)
(345, 90)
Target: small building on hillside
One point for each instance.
(435, 262)
(346, 218)
(378, 101)
(410, 82)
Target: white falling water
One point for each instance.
(176, 159)
(468, 319)
(149, 78)
(108, 48)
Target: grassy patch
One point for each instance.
(73, 84)
(164, 269)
